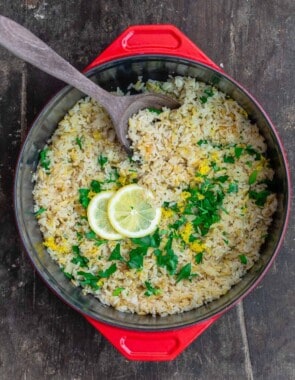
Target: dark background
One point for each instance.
(40, 337)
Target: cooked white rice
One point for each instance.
(206, 165)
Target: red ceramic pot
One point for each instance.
(155, 52)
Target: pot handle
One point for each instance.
(151, 346)
(152, 39)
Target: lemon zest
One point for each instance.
(51, 244)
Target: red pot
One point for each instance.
(153, 51)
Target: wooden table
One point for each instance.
(42, 338)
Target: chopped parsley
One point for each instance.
(243, 259)
(204, 203)
(67, 274)
(151, 290)
(171, 205)
(155, 110)
(118, 291)
(229, 159)
(238, 151)
(93, 280)
(102, 160)
(203, 99)
(178, 223)
(168, 259)
(116, 253)
(208, 94)
(233, 188)
(89, 279)
(83, 197)
(136, 256)
(259, 196)
(185, 273)
(215, 167)
(108, 272)
(113, 176)
(44, 159)
(253, 177)
(148, 241)
(95, 186)
(78, 141)
(40, 211)
(202, 142)
(199, 258)
(222, 178)
(253, 152)
(91, 235)
(82, 261)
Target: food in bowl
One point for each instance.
(206, 166)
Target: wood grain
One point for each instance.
(41, 338)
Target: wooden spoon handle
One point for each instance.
(25, 45)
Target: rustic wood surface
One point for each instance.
(40, 337)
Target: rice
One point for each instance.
(206, 165)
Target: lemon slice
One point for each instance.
(131, 211)
(98, 216)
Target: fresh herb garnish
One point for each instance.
(83, 197)
(209, 92)
(44, 159)
(89, 279)
(199, 258)
(102, 160)
(185, 273)
(222, 178)
(203, 99)
(253, 177)
(169, 259)
(229, 159)
(202, 142)
(238, 151)
(171, 205)
(113, 176)
(136, 256)
(178, 223)
(118, 291)
(253, 152)
(259, 196)
(204, 203)
(148, 241)
(40, 211)
(214, 166)
(79, 259)
(151, 290)
(95, 186)
(155, 110)
(78, 141)
(91, 235)
(108, 272)
(233, 188)
(116, 253)
(243, 259)
(67, 274)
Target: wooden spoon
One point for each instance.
(21, 42)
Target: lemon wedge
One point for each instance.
(97, 216)
(132, 213)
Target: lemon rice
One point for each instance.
(207, 168)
